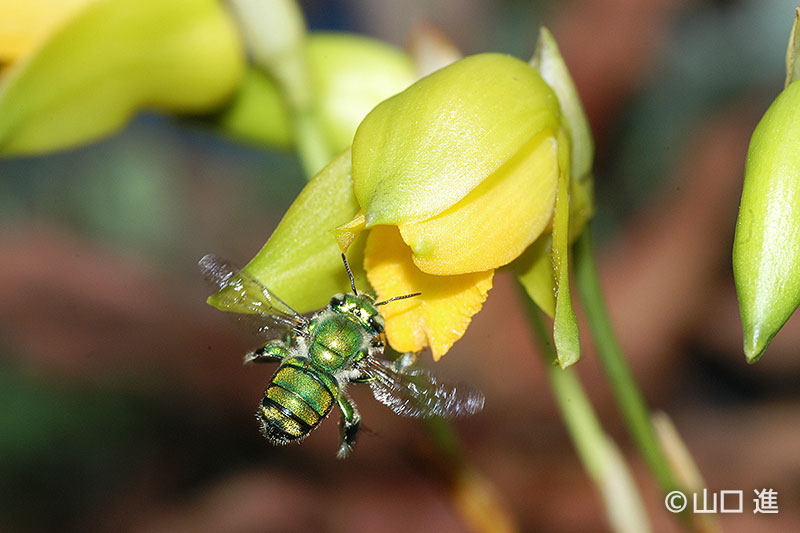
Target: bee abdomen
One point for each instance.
(295, 402)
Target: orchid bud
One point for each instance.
(766, 248)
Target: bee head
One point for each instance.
(361, 308)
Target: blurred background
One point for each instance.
(123, 401)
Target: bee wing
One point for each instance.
(256, 305)
(418, 393)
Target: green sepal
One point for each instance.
(534, 269)
(301, 262)
(766, 249)
(112, 58)
(793, 51)
(565, 324)
(548, 62)
(543, 270)
(421, 151)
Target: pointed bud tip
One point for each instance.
(755, 343)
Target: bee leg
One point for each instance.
(348, 426)
(269, 353)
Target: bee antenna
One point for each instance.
(350, 275)
(393, 298)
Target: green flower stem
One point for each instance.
(598, 453)
(629, 397)
(582, 423)
(275, 33)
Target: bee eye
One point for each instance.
(376, 323)
(337, 300)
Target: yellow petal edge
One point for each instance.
(440, 315)
(496, 221)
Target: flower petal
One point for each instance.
(495, 222)
(421, 151)
(440, 315)
(349, 232)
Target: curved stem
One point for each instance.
(597, 451)
(629, 398)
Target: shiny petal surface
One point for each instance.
(421, 151)
(496, 221)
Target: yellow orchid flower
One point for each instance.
(452, 178)
(466, 164)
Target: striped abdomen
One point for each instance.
(296, 400)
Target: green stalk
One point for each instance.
(313, 148)
(629, 398)
(275, 33)
(599, 454)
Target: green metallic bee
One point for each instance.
(322, 353)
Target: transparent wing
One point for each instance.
(417, 393)
(257, 307)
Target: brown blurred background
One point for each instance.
(123, 402)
